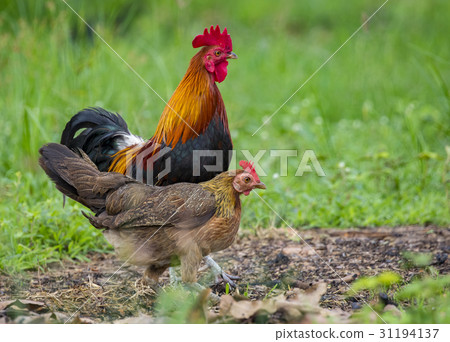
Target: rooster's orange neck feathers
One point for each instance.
(192, 106)
(188, 113)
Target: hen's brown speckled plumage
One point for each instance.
(156, 227)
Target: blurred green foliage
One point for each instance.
(382, 281)
(424, 300)
(376, 115)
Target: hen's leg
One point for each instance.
(190, 263)
(217, 271)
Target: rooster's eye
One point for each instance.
(217, 53)
(247, 179)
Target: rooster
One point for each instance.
(154, 226)
(194, 119)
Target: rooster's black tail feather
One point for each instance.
(104, 133)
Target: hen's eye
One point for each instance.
(217, 53)
(247, 179)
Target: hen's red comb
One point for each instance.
(214, 37)
(248, 166)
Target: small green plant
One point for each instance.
(271, 290)
(379, 282)
(425, 300)
(227, 288)
(419, 260)
(422, 289)
(246, 290)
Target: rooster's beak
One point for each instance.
(232, 55)
(260, 185)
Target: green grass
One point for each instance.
(423, 300)
(377, 115)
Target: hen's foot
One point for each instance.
(219, 273)
(228, 278)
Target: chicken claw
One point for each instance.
(228, 278)
(217, 271)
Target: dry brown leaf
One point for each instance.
(5, 304)
(31, 305)
(245, 309)
(293, 306)
(226, 301)
(47, 318)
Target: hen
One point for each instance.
(194, 119)
(151, 226)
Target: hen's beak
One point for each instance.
(260, 185)
(232, 55)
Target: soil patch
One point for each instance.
(269, 263)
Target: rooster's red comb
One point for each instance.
(214, 37)
(249, 167)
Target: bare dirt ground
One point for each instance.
(272, 263)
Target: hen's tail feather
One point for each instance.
(74, 175)
(104, 134)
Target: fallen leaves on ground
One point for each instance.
(25, 311)
(295, 306)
